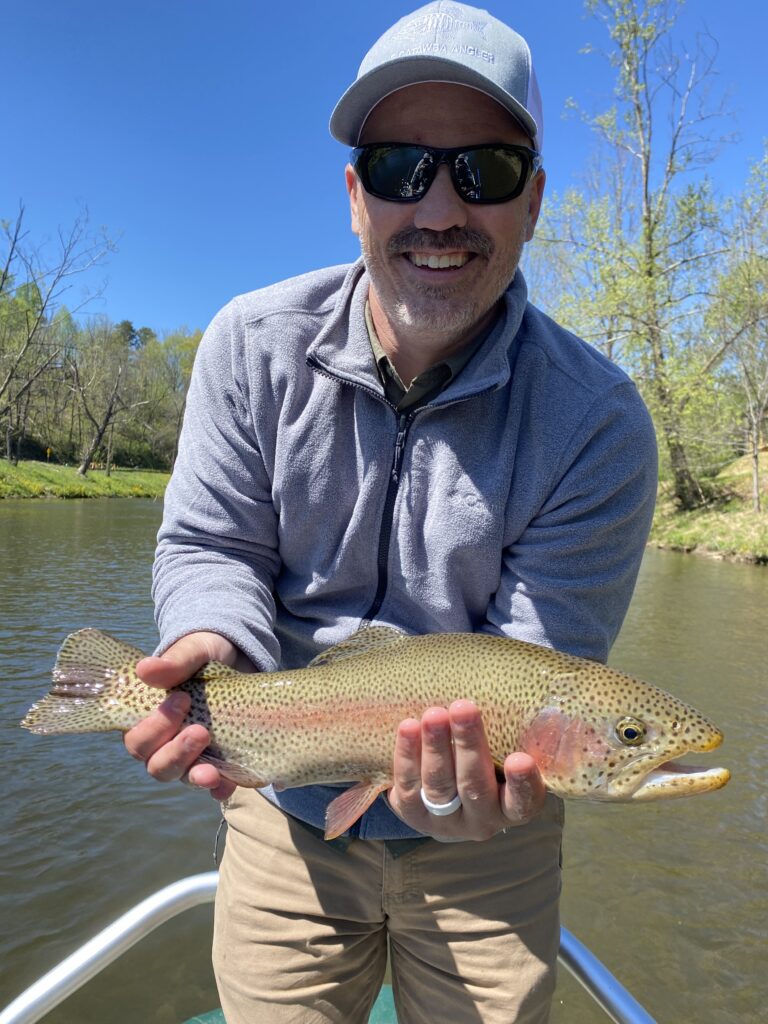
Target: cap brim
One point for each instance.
(358, 101)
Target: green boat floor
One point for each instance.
(383, 1011)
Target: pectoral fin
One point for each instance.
(344, 811)
(237, 773)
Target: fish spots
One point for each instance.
(335, 721)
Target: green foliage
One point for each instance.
(633, 252)
(41, 479)
(94, 391)
(726, 526)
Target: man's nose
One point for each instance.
(442, 207)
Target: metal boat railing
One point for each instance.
(60, 982)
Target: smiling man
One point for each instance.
(441, 256)
(405, 441)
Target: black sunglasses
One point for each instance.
(403, 172)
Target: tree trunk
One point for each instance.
(87, 459)
(108, 466)
(756, 506)
(101, 425)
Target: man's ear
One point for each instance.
(353, 188)
(535, 198)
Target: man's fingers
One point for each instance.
(524, 792)
(205, 776)
(170, 751)
(161, 672)
(174, 759)
(184, 658)
(404, 796)
(438, 773)
(446, 753)
(407, 762)
(475, 773)
(158, 728)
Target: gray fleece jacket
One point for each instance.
(516, 502)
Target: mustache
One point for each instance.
(453, 240)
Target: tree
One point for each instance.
(645, 249)
(179, 348)
(739, 313)
(101, 373)
(161, 375)
(32, 336)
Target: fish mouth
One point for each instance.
(672, 780)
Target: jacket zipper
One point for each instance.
(385, 532)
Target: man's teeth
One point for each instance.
(424, 259)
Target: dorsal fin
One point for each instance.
(365, 640)
(216, 671)
(99, 651)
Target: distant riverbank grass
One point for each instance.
(725, 528)
(48, 480)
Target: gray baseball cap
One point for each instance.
(445, 42)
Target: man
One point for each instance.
(405, 441)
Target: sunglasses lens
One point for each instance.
(403, 173)
(398, 172)
(490, 174)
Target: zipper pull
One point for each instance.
(399, 447)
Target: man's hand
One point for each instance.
(169, 751)
(447, 753)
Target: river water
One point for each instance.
(671, 896)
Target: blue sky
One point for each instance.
(195, 131)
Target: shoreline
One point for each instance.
(727, 530)
(702, 551)
(51, 481)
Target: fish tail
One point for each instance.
(90, 669)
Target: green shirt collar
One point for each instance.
(425, 385)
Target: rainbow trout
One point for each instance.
(595, 733)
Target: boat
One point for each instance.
(93, 956)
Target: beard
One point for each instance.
(449, 309)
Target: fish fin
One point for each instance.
(88, 657)
(370, 638)
(237, 773)
(345, 809)
(55, 714)
(216, 671)
(88, 665)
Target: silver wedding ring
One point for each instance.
(441, 810)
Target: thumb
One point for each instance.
(184, 658)
(524, 792)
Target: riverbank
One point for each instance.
(48, 480)
(725, 528)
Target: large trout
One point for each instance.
(594, 732)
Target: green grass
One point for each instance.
(48, 480)
(726, 527)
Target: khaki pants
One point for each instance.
(301, 927)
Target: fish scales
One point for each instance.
(594, 732)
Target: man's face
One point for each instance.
(483, 243)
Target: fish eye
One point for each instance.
(631, 731)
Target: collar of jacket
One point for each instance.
(342, 349)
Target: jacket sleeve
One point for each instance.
(217, 555)
(567, 580)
